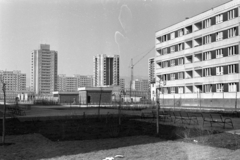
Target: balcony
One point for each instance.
(199, 32)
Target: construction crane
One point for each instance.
(133, 65)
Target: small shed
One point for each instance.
(94, 95)
(67, 97)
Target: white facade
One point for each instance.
(44, 68)
(201, 54)
(72, 83)
(106, 70)
(84, 81)
(15, 80)
(140, 85)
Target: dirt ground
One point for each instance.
(35, 146)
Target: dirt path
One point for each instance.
(36, 146)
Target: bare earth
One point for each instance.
(36, 146)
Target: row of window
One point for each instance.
(222, 52)
(200, 41)
(213, 71)
(207, 88)
(200, 25)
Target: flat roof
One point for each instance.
(187, 18)
(95, 88)
(59, 92)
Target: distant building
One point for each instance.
(44, 69)
(84, 81)
(72, 83)
(151, 70)
(106, 70)
(15, 80)
(140, 85)
(122, 83)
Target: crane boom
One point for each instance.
(132, 66)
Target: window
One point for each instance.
(207, 72)
(180, 46)
(219, 18)
(219, 87)
(180, 61)
(180, 89)
(172, 89)
(180, 75)
(164, 51)
(208, 39)
(165, 64)
(207, 23)
(219, 36)
(219, 53)
(208, 88)
(172, 62)
(232, 50)
(207, 55)
(164, 38)
(172, 76)
(230, 14)
(232, 69)
(172, 49)
(232, 87)
(172, 35)
(180, 32)
(232, 32)
(219, 71)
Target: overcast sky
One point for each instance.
(80, 29)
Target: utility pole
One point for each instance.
(161, 83)
(4, 112)
(131, 79)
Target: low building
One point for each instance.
(66, 97)
(95, 95)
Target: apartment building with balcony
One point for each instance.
(105, 70)
(201, 53)
(43, 71)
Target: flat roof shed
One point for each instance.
(94, 95)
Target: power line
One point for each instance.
(144, 55)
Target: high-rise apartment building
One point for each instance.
(106, 70)
(201, 53)
(44, 69)
(15, 80)
(151, 70)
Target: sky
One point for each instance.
(81, 29)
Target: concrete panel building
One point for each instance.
(199, 57)
(84, 80)
(44, 69)
(151, 70)
(72, 83)
(140, 85)
(15, 80)
(105, 70)
(122, 83)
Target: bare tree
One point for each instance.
(4, 112)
